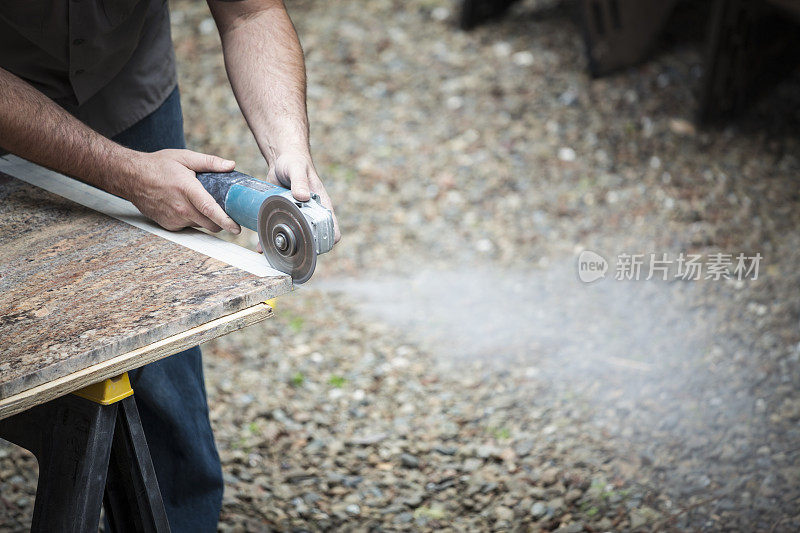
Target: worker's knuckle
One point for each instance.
(182, 210)
(207, 207)
(170, 154)
(185, 187)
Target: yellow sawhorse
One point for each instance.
(92, 453)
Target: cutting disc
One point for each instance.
(286, 238)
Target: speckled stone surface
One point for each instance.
(78, 287)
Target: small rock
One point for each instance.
(415, 500)
(537, 493)
(23, 501)
(572, 495)
(440, 13)
(522, 59)
(311, 498)
(604, 524)
(472, 464)
(503, 513)
(484, 245)
(637, 519)
(568, 97)
(367, 440)
(502, 49)
(555, 505)
(300, 506)
(524, 447)
(508, 455)
(538, 510)
(446, 450)
(207, 26)
(642, 516)
(680, 126)
(567, 154)
(486, 488)
(486, 451)
(550, 476)
(352, 482)
(409, 461)
(353, 509)
(575, 527)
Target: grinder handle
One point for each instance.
(238, 194)
(219, 183)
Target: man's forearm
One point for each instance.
(265, 66)
(267, 72)
(162, 185)
(34, 127)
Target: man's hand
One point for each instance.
(297, 172)
(164, 187)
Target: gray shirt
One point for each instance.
(108, 62)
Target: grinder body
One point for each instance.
(292, 233)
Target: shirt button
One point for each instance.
(77, 42)
(80, 71)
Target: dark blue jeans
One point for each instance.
(170, 393)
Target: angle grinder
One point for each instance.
(291, 233)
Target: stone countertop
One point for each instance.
(78, 287)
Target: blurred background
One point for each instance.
(445, 368)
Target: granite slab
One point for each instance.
(78, 287)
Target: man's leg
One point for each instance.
(170, 394)
(171, 398)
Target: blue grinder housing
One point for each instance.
(292, 233)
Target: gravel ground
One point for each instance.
(445, 369)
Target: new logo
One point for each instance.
(591, 266)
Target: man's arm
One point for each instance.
(162, 184)
(265, 66)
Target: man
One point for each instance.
(110, 63)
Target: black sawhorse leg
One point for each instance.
(91, 451)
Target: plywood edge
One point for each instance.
(134, 359)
